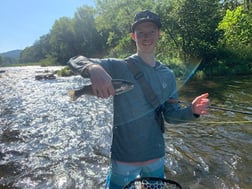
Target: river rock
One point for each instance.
(45, 77)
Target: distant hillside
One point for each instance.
(11, 54)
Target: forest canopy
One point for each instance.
(217, 32)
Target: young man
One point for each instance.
(138, 147)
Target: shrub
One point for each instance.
(65, 72)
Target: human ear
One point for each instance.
(133, 36)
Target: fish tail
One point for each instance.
(72, 95)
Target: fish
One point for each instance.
(120, 86)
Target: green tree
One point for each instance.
(61, 38)
(31, 54)
(37, 51)
(190, 28)
(231, 4)
(114, 23)
(236, 41)
(87, 39)
(237, 28)
(1, 60)
(191, 25)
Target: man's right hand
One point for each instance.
(101, 81)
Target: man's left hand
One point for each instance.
(200, 104)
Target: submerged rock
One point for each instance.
(45, 77)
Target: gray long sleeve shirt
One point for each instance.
(136, 134)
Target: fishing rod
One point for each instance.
(230, 110)
(196, 64)
(213, 107)
(192, 73)
(225, 122)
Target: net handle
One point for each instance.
(153, 179)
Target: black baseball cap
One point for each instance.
(146, 16)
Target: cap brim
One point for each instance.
(158, 24)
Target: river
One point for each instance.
(48, 142)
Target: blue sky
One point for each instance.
(22, 22)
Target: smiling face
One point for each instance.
(146, 36)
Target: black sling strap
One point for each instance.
(146, 88)
(148, 92)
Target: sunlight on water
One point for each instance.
(48, 142)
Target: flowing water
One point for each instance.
(48, 142)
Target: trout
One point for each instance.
(120, 86)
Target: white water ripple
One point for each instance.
(48, 142)
(58, 144)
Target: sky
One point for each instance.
(22, 22)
